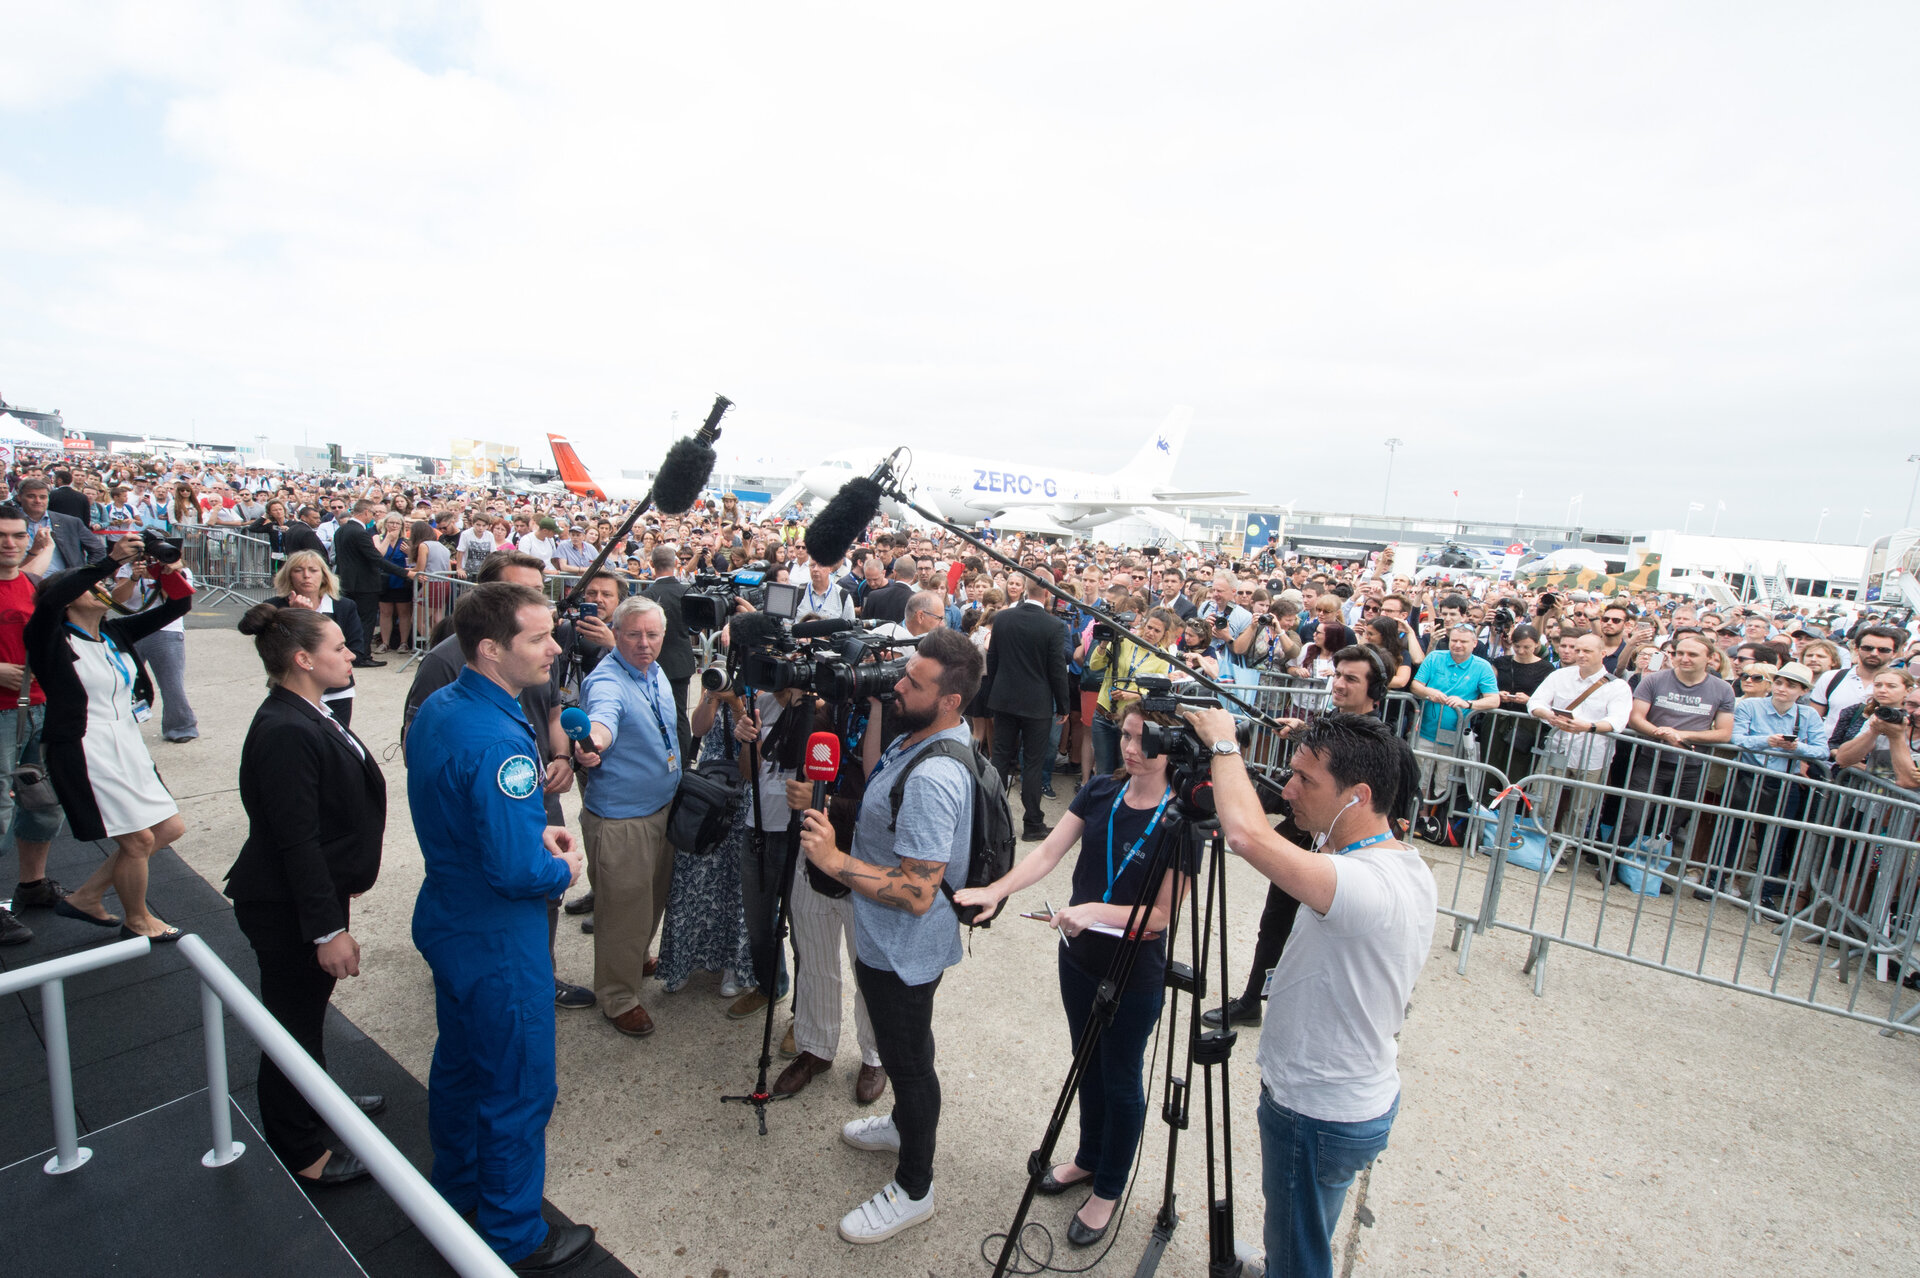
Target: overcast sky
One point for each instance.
(1651, 254)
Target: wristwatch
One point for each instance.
(1227, 747)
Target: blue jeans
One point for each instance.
(1306, 1165)
(1106, 745)
(19, 824)
(1113, 1097)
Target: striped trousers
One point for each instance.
(822, 927)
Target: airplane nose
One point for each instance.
(823, 481)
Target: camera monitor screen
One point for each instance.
(783, 600)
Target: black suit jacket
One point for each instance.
(362, 569)
(70, 502)
(1027, 663)
(676, 651)
(301, 537)
(316, 813)
(888, 603)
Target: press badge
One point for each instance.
(142, 711)
(1266, 986)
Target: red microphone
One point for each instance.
(821, 765)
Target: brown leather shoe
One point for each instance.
(634, 1023)
(797, 1075)
(872, 1082)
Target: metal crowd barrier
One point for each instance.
(435, 593)
(220, 992)
(225, 562)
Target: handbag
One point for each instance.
(703, 807)
(32, 788)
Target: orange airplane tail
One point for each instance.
(573, 471)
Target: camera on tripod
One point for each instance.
(714, 597)
(832, 667)
(1105, 631)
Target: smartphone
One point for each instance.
(589, 608)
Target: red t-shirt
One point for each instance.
(16, 605)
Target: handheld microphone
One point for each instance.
(575, 723)
(822, 764)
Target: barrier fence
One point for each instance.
(1701, 863)
(224, 563)
(435, 593)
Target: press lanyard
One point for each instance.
(113, 654)
(1367, 842)
(818, 603)
(1113, 876)
(653, 704)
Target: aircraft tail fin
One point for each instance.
(1153, 465)
(573, 472)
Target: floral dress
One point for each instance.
(706, 924)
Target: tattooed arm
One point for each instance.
(912, 886)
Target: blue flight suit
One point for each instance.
(473, 780)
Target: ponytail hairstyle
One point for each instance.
(278, 633)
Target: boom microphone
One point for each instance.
(683, 473)
(844, 518)
(825, 626)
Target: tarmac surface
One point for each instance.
(1629, 1122)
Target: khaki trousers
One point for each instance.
(632, 867)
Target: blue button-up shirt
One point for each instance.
(473, 784)
(640, 768)
(59, 561)
(1755, 719)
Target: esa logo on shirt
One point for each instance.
(518, 777)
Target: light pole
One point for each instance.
(1860, 528)
(1578, 499)
(1393, 444)
(1822, 524)
(1908, 521)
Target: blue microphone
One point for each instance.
(578, 727)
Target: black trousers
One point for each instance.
(903, 1031)
(1016, 737)
(1276, 925)
(368, 602)
(295, 989)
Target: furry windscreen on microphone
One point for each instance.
(753, 630)
(835, 528)
(684, 472)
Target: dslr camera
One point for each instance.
(1890, 714)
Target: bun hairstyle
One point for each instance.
(278, 633)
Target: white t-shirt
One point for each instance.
(1340, 990)
(475, 545)
(537, 546)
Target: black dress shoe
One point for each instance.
(1035, 833)
(1082, 1236)
(343, 1168)
(580, 904)
(371, 1105)
(1239, 1010)
(565, 1244)
(368, 664)
(1049, 1186)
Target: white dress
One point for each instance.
(126, 787)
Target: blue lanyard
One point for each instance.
(113, 654)
(653, 704)
(1113, 876)
(1367, 842)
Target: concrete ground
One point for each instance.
(1629, 1122)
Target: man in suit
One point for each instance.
(889, 602)
(301, 534)
(676, 651)
(1026, 671)
(74, 544)
(68, 500)
(363, 573)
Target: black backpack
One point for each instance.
(990, 854)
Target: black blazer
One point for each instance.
(362, 569)
(316, 813)
(1027, 663)
(51, 652)
(676, 650)
(301, 537)
(346, 615)
(70, 502)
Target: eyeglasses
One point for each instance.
(1884, 652)
(1756, 679)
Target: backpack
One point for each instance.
(703, 806)
(990, 853)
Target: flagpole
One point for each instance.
(1715, 530)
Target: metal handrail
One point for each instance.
(220, 992)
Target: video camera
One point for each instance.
(833, 667)
(713, 597)
(1104, 630)
(1177, 741)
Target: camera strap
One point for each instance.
(1113, 876)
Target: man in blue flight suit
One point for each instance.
(492, 861)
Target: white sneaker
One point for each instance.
(876, 1131)
(885, 1214)
(730, 986)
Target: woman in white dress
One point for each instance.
(98, 694)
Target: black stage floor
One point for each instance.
(136, 1044)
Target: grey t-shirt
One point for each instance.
(1672, 704)
(936, 824)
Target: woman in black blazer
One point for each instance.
(305, 581)
(316, 811)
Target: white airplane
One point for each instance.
(1022, 496)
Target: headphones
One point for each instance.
(1377, 672)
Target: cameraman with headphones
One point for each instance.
(1358, 686)
(1329, 1088)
